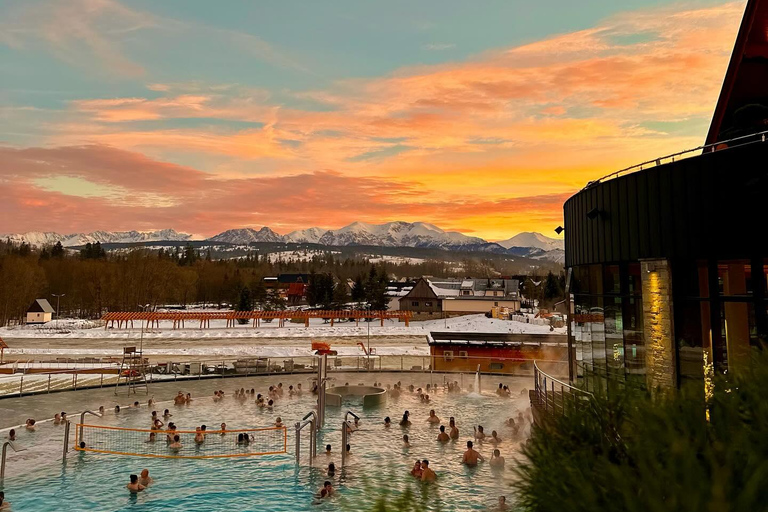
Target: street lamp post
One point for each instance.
(58, 297)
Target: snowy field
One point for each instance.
(305, 255)
(317, 329)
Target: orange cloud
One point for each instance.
(499, 132)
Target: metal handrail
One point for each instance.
(82, 422)
(546, 395)
(2, 458)
(309, 419)
(345, 427)
(657, 161)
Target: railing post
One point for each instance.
(49, 383)
(545, 393)
(21, 385)
(66, 441)
(298, 443)
(2, 460)
(343, 443)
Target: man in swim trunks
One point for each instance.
(497, 461)
(176, 444)
(471, 456)
(433, 417)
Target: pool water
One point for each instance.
(378, 461)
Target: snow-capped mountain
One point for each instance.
(305, 236)
(247, 236)
(41, 239)
(537, 240)
(398, 234)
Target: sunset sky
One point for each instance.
(481, 117)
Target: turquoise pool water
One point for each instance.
(96, 482)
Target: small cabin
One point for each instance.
(40, 312)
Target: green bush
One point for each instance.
(631, 452)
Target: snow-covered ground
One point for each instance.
(317, 329)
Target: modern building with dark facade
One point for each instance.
(668, 261)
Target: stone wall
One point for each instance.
(658, 324)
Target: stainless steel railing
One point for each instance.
(311, 420)
(554, 395)
(2, 458)
(346, 428)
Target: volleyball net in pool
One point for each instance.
(212, 444)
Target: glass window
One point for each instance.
(614, 334)
(734, 278)
(611, 279)
(634, 283)
(634, 344)
(448, 355)
(415, 303)
(694, 337)
(738, 331)
(691, 279)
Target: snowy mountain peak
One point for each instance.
(42, 239)
(531, 239)
(246, 236)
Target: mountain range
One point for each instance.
(390, 234)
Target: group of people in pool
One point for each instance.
(139, 482)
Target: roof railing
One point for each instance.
(706, 148)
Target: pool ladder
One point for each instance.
(346, 428)
(311, 420)
(2, 459)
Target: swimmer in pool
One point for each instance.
(199, 438)
(479, 433)
(176, 444)
(223, 428)
(433, 417)
(145, 479)
(56, 419)
(406, 442)
(494, 439)
(442, 436)
(134, 485)
(405, 422)
(497, 461)
(331, 469)
(427, 475)
(327, 490)
(30, 425)
(12, 434)
(328, 450)
(416, 471)
(4, 505)
(279, 422)
(152, 438)
(502, 503)
(471, 456)
(387, 422)
(454, 433)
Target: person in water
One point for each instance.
(427, 475)
(471, 456)
(406, 442)
(479, 433)
(327, 490)
(497, 461)
(145, 479)
(134, 485)
(433, 417)
(405, 422)
(442, 436)
(454, 433)
(387, 422)
(502, 503)
(494, 439)
(176, 444)
(416, 471)
(4, 505)
(331, 469)
(328, 450)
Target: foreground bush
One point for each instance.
(636, 453)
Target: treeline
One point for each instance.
(93, 281)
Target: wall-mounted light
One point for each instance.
(559, 229)
(593, 213)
